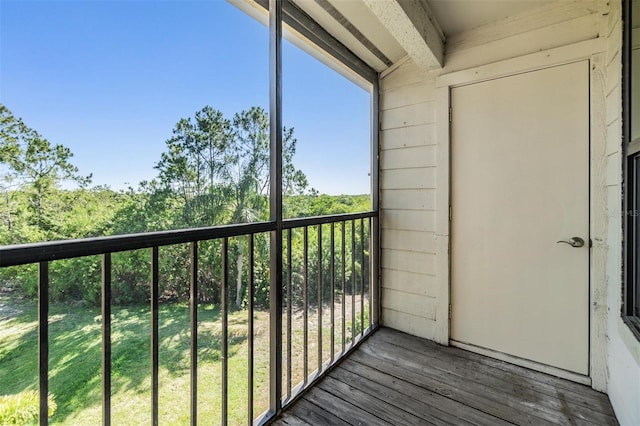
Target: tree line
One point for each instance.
(214, 171)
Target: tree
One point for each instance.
(196, 163)
(250, 177)
(251, 180)
(30, 163)
(219, 170)
(214, 171)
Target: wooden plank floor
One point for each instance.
(397, 379)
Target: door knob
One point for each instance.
(573, 242)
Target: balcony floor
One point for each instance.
(394, 378)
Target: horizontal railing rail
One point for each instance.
(323, 220)
(23, 254)
(328, 285)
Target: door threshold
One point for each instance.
(532, 365)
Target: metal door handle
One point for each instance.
(573, 242)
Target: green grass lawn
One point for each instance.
(75, 360)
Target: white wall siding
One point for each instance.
(406, 220)
(418, 325)
(407, 95)
(407, 137)
(410, 115)
(409, 193)
(416, 178)
(408, 200)
(408, 158)
(409, 261)
(396, 300)
(421, 242)
(623, 350)
(411, 283)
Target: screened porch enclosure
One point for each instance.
(362, 320)
(311, 298)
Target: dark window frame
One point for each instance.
(631, 185)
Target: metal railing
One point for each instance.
(345, 274)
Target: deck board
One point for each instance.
(432, 407)
(308, 412)
(553, 386)
(395, 378)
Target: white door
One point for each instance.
(520, 183)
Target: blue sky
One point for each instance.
(110, 79)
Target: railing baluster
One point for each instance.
(362, 277)
(193, 327)
(250, 348)
(353, 282)
(155, 280)
(106, 339)
(289, 312)
(344, 285)
(306, 303)
(369, 280)
(43, 340)
(320, 298)
(225, 327)
(333, 291)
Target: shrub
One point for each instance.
(22, 408)
(360, 319)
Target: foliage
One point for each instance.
(349, 270)
(214, 171)
(195, 164)
(361, 323)
(314, 204)
(22, 408)
(30, 164)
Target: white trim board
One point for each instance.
(443, 200)
(534, 61)
(598, 222)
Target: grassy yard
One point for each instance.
(75, 359)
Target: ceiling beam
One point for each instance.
(414, 27)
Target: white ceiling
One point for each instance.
(456, 16)
(453, 16)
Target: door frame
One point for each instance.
(593, 51)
